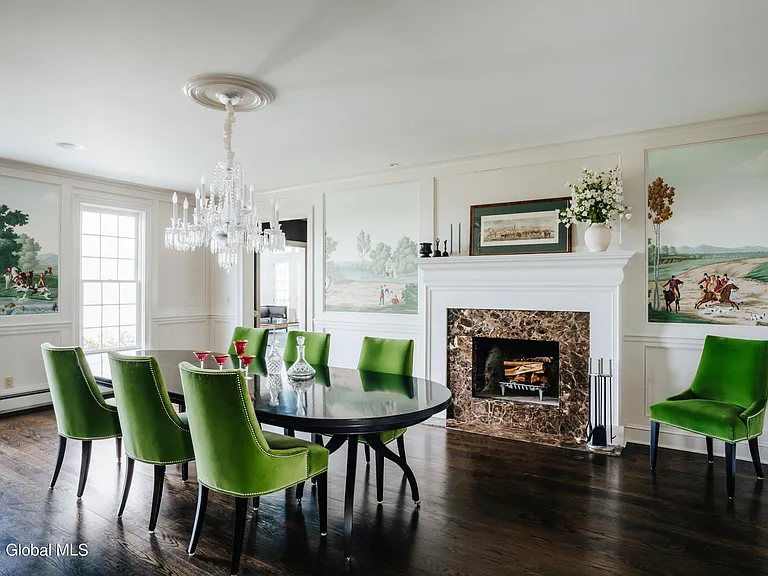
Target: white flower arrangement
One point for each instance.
(596, 199)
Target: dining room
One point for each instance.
(396, 288)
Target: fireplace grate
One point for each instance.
(523, 386)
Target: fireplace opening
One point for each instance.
(516, 370)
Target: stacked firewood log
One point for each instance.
(527, 370)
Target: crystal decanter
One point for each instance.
(274, 361)
(300, 370)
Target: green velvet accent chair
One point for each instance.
(257, 341)
(154, 433)
(726, 401)
(235, 457)
(388, 356)
(317, 347)
(80, 409)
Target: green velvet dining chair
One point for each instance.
(726, 400)
(154, 433)
(80, 409)
(235, 457)
(388, 356)
(257, 341)
(317, 347)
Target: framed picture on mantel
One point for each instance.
(529, 227)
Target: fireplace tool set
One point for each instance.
(600, 427)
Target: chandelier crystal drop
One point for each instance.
(223, 217)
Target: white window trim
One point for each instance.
(142, 213)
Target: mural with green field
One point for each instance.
(707, 241)
(370, 252)
(29, 247)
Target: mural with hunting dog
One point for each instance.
(707, 242)
(29, 247)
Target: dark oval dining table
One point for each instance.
(345, 404)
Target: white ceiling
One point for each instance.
(360, 84)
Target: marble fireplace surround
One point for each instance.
(564, 425)
(578, 282)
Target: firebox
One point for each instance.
(516, 370)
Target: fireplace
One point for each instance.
(516, 370)
(519, 374)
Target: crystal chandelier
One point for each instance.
(223, 217)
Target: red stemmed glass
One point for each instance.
(202, 355)
(240, 346)
(246, 360)
(221, 359)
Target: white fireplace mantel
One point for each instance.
(576, 281)
(599, 269)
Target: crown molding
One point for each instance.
(78, 178)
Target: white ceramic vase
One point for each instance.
(597, 237)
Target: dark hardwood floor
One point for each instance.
(489, 507)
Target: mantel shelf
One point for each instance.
(612, 258)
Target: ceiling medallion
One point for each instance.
(206, 88)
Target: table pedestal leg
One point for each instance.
(374, 441)
(349, 493)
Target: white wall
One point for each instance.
(658, 359)
(176, 312)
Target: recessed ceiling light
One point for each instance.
(394, 164)
(70, 146)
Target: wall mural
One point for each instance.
(370, 250)
(707, 242)
(29, 247)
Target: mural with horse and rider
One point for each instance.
(708, 263)
(29, 261)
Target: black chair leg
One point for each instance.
(710, 451)
(185, 471)
(367, 454)
(289, 432)
(202, 503)
(322, 501)
(299, 492)
(59, 460)
(157, 496)
(755, 452)
(654, 443)
(730, 468)
(317, 439)
(256, 502)
(379, 477)
(241, 505)
(119, 448)
(401, 447)
(126, 485)
(85, 463)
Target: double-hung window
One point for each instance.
(111, 258)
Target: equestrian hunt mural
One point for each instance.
(707, 243)
(29, 247)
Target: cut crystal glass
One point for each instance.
(274, 360)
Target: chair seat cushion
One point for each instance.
(317, 458)
(112, 401)
(388, 436)
(184, 419)
(715, 419)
